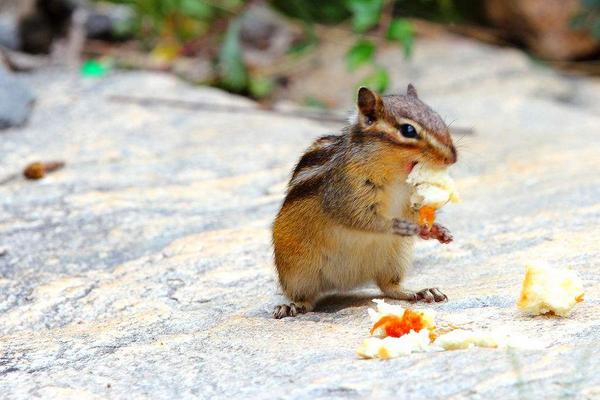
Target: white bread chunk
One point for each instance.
(433, 187)
(381, 346)
(391, 347)
(464, 339)
(383, 309)
(548, 290)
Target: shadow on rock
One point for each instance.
(336, 302)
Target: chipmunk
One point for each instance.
(346, 219)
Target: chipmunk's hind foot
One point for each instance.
(290, 310)
(431, 295)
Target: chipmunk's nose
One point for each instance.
(453, 156)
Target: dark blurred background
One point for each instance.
(262, 49)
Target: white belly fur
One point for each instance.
(360, 256)
(398, 194)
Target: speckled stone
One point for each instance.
(16, 101)
(143, 268)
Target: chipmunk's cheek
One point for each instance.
(410, 166)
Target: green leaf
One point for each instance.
(579, 21)
(166, 7)
(314, 102)
(232, 69)
(122, 28)
(365, 13)
(591, 3)
(378, 80)
(94, 68)
(196, 9)
(228, 4)
(302, 47)
(327, 12)
(122, 1)
(596, 29)
(361, 53)
(261, 86)
(401, 31)
(308, 43)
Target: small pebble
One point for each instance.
(38, 170)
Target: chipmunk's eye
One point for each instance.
(408, 131)
(368, 120)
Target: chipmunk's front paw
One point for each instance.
(430, 295)
(437, 231)
(288, 310)
(403, 227)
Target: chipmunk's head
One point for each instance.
(406, 122)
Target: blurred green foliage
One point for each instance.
(167, 27)
(589, 17)
(314, 11)
(365, 13)
(401, 31)
(233, 73)
(181, 19)
(361, 53)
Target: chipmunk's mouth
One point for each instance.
(410, 166)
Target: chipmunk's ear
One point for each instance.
(411, 91)
(369, 102)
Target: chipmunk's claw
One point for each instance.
(430, 295)
(436, 231)
(404, 228)
(288, 310)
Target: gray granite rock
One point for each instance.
(9, 31)
(16, 101)
(9, 20)
(143, 268)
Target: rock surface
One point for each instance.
(16, 101)
(8, 32)
(143, 268)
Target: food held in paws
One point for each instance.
(433, 188)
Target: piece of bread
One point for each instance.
(391, 347)
(458, 339)
(389, 318)
(464, 339)
(397, 331)
(548, 290)
(433, 187)
(428, 338)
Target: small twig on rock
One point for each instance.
(8, 178)
(321, 116)
(37, 170)
(195, 105)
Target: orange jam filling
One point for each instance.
(426, 216)
(396, 326)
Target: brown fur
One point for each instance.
(335, 230)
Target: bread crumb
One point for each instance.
(549, 290)
(429, 338)
(433, 187)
